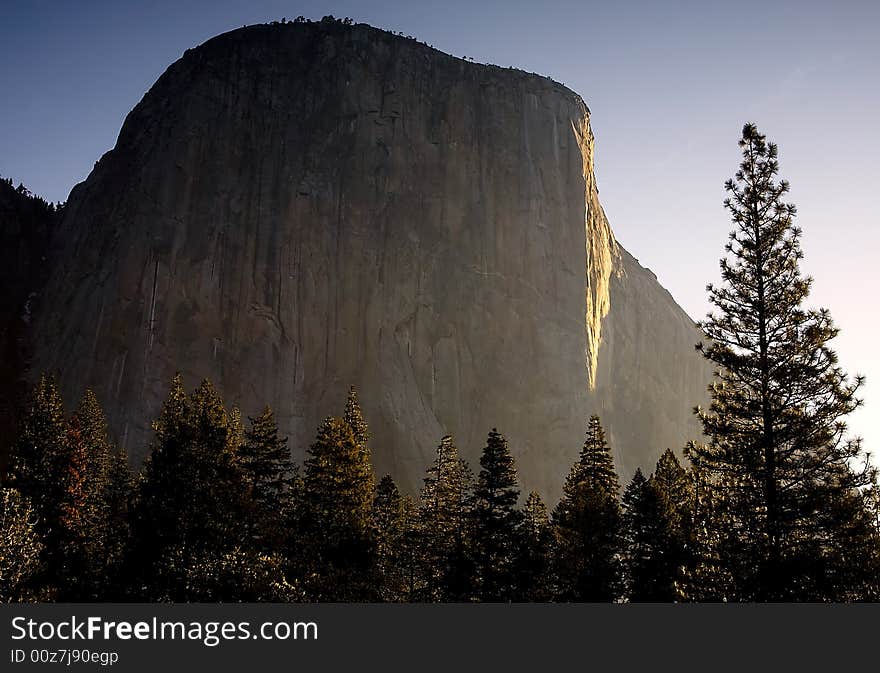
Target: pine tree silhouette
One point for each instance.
(777, 438)
(587, 526)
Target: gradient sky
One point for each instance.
(669, 84)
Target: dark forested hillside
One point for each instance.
(26, 226)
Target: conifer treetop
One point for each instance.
(355, 418)
(595, 465)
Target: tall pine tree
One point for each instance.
(587, 526)
(338, 493)
(390, 529)
(672, 484)
(192, 497)
(119, 494)
(671, 481)
(95, 505)
(444, 513)
(650, 549)
(40, 472)
(777, 439)
(533, 556)
(266, 461)
(411, 552)
(495, 521)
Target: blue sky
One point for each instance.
(669, 84)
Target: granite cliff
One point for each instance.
(292, 209)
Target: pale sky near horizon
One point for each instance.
(669, 85)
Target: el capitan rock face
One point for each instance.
(293, 209)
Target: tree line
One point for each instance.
(776, 503)
(221, 513)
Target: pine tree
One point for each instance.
(297, 527)
(338, 496)
(389, 530)
(92, 509)
(444, 515)
(266, 461)
(411, 552)
(854, 573)
(671, 482)
(64, 466)
(533, 558)
(40, 452)
(777, 440)
(587, 525)
(355, 419)
(119, 494)
(872, 553)
(74, 540)
(20, 548)
(39, 471)
(650, 549)
(495, 520)
(706, 574)
(192, 499)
